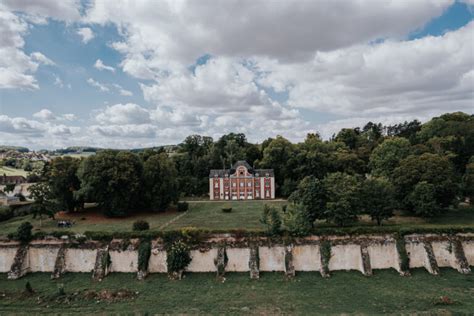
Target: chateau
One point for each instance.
(241, 182)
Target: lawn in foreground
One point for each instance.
(307, 294)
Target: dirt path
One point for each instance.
(174, 219)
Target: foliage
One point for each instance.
(468, 180)
(378, 199)
(141, 225)
(178, 257)
(6, 213)
(402, 253)
(326, 253)
(311, 194)
(144, 253)
(423, 200)
(343, 202)
(113, 180)
(23, 232)
(387, 156)
(44, 204)
(63, 182)
(183, 206)
(435, 170)
(296, 221)
(160, 181)
(227, 209)
(9, 187)
(271, 219)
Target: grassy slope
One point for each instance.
(209, 215)
(9, 171)
(308, 293)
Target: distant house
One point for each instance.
(241, 182)
(4, 180)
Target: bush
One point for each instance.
(5, 213)
(183, 206)
(144, 252)
(178, 257)
(141, 225)
(271, 219)
(227, 209)
(296, 220)
(23, 233)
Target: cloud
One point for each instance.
(58, 81)
(98, 85)
(86, 34)
(64, 10)
(48, 116)
(101, 66)
(37, 56)
(128, 113)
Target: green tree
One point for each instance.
(435, 170)
(44, 203)
(423, 200)
(311, 194)
(378, 199)
(64, 182)
(296, 220)
(271, 220)
(342, 191)
(387, 156)
(468, 180)
(160, 181)
(113, 180)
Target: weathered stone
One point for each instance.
(254, 262)
(366, 267)
(289, 266)
(220, 262)
(461, 261)
(403, 258)
(325, 256)
(60, 263)
(102, 263)
(19, 266)
(430, 262)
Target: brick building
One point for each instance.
(241, 182)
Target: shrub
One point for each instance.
(23, 232)
(178, 257)
(141, 225)
(5, 213)
(183, 206)
(227, 209)
(144, 252)
(271, 219)
(296, 220)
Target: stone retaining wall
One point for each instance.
(361, 253)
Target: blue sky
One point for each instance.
(262, 68)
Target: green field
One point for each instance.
(9, 171)
(208, 215)
(200, 293)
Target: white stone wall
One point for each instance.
(123, 261)
(444, 254)
(383, 256)
(80, 260)
(6, 258)
(238, 259)
(272, 259)
(469, 251)
(306, 258)
(202, 261)
(345, 257)
(42, 259)
(417, 254)
(157, 263)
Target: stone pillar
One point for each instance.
(60, 263)
(254, 263)
(325, 256)
(366, 267)
(289, 267)
(461, 261)
(430, 260)
(102, 262)
(220, 262)
(20, 264)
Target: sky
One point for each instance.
(130, 74)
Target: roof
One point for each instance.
(222, 172)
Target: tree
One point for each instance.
(433, 169)
(271, 219)
(377, 199)
(468, 180)
(160, 181)
(342, 206)
(423, 200)
(349, 136)
(386, 156)
(9, 187)
(63, 182)
(23, 232)
(43, 204)
(113, 180)
(296, 220)
(311, 194)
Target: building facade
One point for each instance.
(241, 182)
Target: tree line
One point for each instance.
(421, 168)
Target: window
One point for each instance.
(249, 184)
(216, 184)
(234, 184)
(241, 184)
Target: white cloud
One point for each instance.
(126, 93)
(58, 81)
(37, 56)
(98, 85)
(86, 34)
(129, 113)
(101, 66)
(48, 116)
(64, 10)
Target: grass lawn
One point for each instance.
(208, 215)
(9, 171)
(201, 293)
